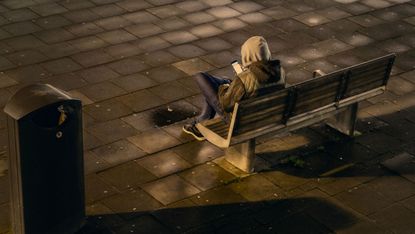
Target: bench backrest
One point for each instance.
(279, 106)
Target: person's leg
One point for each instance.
(209, 86)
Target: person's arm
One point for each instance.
(231, 94)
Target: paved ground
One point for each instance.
(131, 62)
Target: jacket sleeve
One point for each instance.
(229, 95)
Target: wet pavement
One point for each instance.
(131, 64)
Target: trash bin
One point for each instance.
(45, 160)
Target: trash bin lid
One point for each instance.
(33, 97)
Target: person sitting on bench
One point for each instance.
(258, 71)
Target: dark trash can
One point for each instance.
(45, 161)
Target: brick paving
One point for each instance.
(131, 63)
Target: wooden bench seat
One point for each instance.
(332, 97)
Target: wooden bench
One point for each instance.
(332, 97)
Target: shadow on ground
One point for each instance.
(298, 215)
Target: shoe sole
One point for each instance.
(194, 135)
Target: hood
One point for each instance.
(255, 49)
(266, 71)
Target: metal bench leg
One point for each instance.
(242, 155)
(345, 121)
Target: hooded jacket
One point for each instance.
(259, 72)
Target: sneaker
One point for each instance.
(192, 130)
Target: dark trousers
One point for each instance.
(209, 86)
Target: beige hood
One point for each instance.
(255, 49)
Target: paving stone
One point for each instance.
(118, 152)
(321, 64)
(366, 20)
(246, 6)
(113, 22)
(122, 50)
(311, 19)
(186, 51)
(393, 46)
(48, 9)
(291, 40)
(205, 30)
(331, 46)
(170, 189)
(298, 7)
(144, 30)
(213, 44)
(199, 17)
(81, 16)
(334, 13)
(93, 164)
(400, 86)
(158, 58)
(132, 5)
(140, 17)
(363, 199)
(171, 91)
(198, 152)
(163, 163)
(84, 29)
(116, 36)
(68, 81)
(230, 24)
(126, 176)
(107, 110)
(255, 18)
(112, 130)
(343, 26)
(141, 100)
(409, 76)
(146, 224)
(76, 5)
(96, 189)
(21, 28)
(6, 81)
(165, 11)
(128, 66)
(402, 165)
(61, 66)
(213, 3)
(88, 43)
(256, 188)
(288, 25)
(223, 12)
(99, 55)
(409, 203)
(26, 57)
(131, 203)
(134, 82)
(172, 23)
(193, 66)
(355, 39)
(90, 141)
(142, 121)
(278, 12)
(150, 44)
(101, 91)
(54, 35)
(387, 30)
(28, 74)
(376, 4)
(395, 218)
(178, 37)
(108, 10)
(220, 59)
(54, 21)
(289, 59)
(19, 15)
(154, 140)
(4, 193)
(191, 6)
(322, 32)
(3, 35)
(207, 176)
(102, 2)
(356, 8)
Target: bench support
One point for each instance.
(242, 155)
(345, 121)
